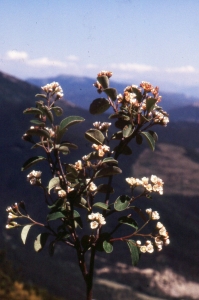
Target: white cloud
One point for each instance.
(72, 58)
(16, 55)
(184, 69)
(45, 62)
(129, 67)
(91, 66)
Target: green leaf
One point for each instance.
(38, 132)
(117, 136)
(101, 205)
(64, 149)
(95, 136)
(37, 122)
(122, 202)
(69, 121)
(128, 221)
(48, 113)
(127, 130)
(105, 188)
(31, 161)
(104, 81)
(55, 215)
(108, 171)
(150, 103)
(98, 106)
(109, 160)
(125, 150)
(135, 254)
(105, 236)
(40, 241)
(108, 247)
(55, 181)
(149, 139)
(25, 231)
(58, 110)
(111, 92)
(57, 205)
(69, 145)
(32, 110)
(71, 169)
(77, 219)
(41, 95)
(92, 155)
(138, 93)
(154, 135)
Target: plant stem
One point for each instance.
(89, 281)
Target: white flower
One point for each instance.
(149, 211)
(78, 165)
(94, 224)
(61, 193)
(138, 243)
(97, 219)
(149, 248)
(91, 187)
(143, 249)
(155, 215)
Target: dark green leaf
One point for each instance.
(95, 136)
(39, 132)
(55, 181)
(105, 188)
(64, 149)
(101, 205)
(57, 205)
(108, 171)
(98, 106)
(32, 110)
(122, 202)
(41, 95)
(128, 221)
(108, 247)
(25, 231)
(127, 130)
(121, 123)
(149, 139)
(69, 145)
(77, 219)
(110, 160)
(150, 103)
(117, 136)
(135, 254)
(104, 81)
(154, 135)
(105, 236)
(55, 215)
(138, 93)
(48, 113)
(71, 169)
(31, 161)
(112, 93)
(114, 116)
(37, 122)
(69, 121)
(58, 110)
(40, 241)
(125, 150)
(92, 155)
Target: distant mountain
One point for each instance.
(176, 156)
(81, 92)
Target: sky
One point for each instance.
(156, 41)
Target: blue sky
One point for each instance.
(156, 41)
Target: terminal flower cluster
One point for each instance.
(97, 220)
(102, 126)
(34, 177)
(102, 149)
(53, 88)
(155, 184)
(147, 247)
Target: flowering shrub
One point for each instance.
(74, 188)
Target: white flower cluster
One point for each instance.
(147, 247)
(50, 131)
(34, 177)
(102, 126)
(156, 184)
(78, 165)
(97, 219)
(102, 149)
(91, 187)
(153, 215)
(163, 238)
(53, 88)
(160, 117)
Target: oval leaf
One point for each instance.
(24, 232)
(32, 110)
(150, 103)
(98, 106)
(39, 132)
(53, 183)
(58, 110)
(128, 221)
(109, 160)
(135, 253)
(95, 136)
(101, 205)
(37, 122)
(112, 93)
(108, 171)
(108, 247)
(69, 121)
(149, 139)
(40, 241)
(127, 130)
(122, 202)
(55, 215)
(103, 80)
(31, 161)
(105, 188)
